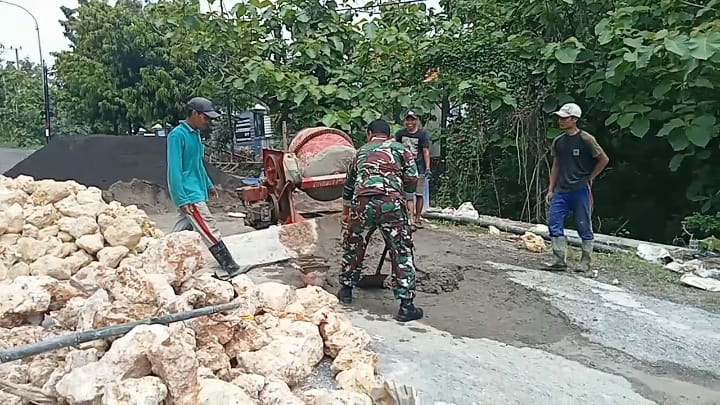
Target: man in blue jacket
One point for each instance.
(190, 185)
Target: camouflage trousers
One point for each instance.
(390, 216)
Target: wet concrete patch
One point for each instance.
(459, 292)
(486, 305)
(440, 280)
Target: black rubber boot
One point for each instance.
(408, 311)
(221, 253)
(344, 294)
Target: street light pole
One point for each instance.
(43, 70)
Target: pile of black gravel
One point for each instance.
(102, 160)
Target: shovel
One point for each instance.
(223, 275)
(375, 281)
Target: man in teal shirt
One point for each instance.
(190, 185)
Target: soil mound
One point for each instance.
(102, 160)
(154, 199)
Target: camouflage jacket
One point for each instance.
(381, 167)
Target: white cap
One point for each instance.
(569, 110)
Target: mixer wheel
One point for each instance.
(274, 175)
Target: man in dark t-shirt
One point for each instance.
(577, 160)
(417, 139)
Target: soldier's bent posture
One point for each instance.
(378, 180)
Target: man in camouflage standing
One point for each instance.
(378, 180)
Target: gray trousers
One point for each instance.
(199, 220)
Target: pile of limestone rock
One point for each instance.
(70, 262)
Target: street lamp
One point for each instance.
(46, 92)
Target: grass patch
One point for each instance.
(649, 278)
(631, 271)
(452, 225)
(627, 264)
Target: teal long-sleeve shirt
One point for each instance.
(188, 181)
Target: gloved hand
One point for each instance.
(428, 174)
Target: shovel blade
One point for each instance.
(372, 282)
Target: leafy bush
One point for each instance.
(702, 226)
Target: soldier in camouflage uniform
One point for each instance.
(380, 177)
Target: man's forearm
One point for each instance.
(426, 156)
(599, 167)
(553, 179)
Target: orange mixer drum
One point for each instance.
(323, 151)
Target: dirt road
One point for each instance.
(512, 321)
(499, 331)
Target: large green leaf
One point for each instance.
(699, 136)
(705, 121)
(338, 44)
(604, 34)
(508, 99)
(593, 89)
(677, 45)
(678, 140)
(343, 93)
(612, 118)
(662, 89)
(300, 97)
(702, 82)
(640, 126)
(370, 29)
(668, 128)
(675, 162)
(703, 47)
(567, 54)
(549, 105)
(329, 119)
(624, 120)
(302, 17)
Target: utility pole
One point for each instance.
(17, 59)
(43, 72)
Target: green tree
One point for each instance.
(120, 73)
(21, 104)
(490, 72)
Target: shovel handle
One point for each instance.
(382, 260)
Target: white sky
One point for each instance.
(17, 28)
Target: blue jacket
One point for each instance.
(188, 181)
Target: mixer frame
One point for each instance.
(271, 203)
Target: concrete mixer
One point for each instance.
(316, 162)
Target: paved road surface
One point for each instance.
(9, 157)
